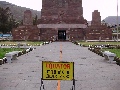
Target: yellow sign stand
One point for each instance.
(57, 70)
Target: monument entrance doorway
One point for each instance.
(61, 34)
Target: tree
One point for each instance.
(35, 20)
(7, 22)
(21, 22)
(4, 16)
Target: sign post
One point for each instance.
(42, 85)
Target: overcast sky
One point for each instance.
(105, 7)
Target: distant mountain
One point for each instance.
(112, 20)
(18, 11)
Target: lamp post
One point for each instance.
(117, 21)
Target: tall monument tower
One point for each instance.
(27, 18)
(62, 19)
(96, 18)
(67, 11)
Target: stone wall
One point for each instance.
(71, 34)
(98, 32)
(96, 18)
(57, 11)
(24, 32)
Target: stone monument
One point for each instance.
(27, 18)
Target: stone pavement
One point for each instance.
(91, 71)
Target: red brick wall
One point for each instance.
(26, 33)
(69, 11)
(96, 18)
(73, 34)
(96, 31)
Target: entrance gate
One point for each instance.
(61, 34)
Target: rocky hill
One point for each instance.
(18, 11)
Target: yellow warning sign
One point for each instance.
(57, 70)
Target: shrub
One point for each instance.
(24, 51)
(19, 54)
(118, 47)
(118, 62)
(4, 60)
(76, 43)
(1, 61)
(31, 49)
(116, 59)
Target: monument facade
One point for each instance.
(68, 23)
(63, 20)
(27, 31)
(66, 17)
(58, 11)
(97, 30)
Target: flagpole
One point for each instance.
(117, 21)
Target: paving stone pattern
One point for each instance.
(92, 72)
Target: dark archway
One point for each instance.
(61, 34)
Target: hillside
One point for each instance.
(18, 11)
(112, 20)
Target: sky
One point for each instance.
(105, 7)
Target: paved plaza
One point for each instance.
(91, 71)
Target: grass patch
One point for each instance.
(3, 51)
(33, 43)
(116, 51)
(98, 43)
(27, 42)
